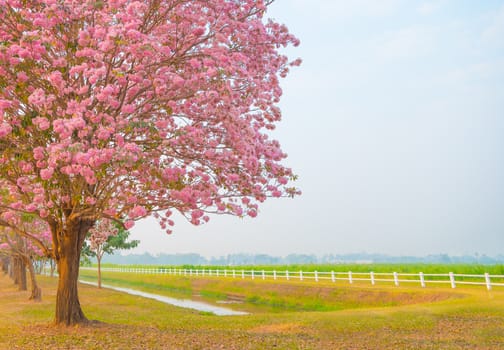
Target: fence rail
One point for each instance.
(420, 278)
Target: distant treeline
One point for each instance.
(264, 259)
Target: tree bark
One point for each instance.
(12, 268)
(20, 273)
(5, 265)
(69, 244)
(23, 284)
(53, 266)
(36, 292)
(15, 270)
(98, 258)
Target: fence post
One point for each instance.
(263, 276)
(333, 278)
(217, 272)
(396, 280)
(243, 274)
(225, 273)
(316, 276)
(487, 281)
(190, 272)
(300, 275)
(287, 274)
(234, 273)
(371, 274)
(274, 274)
(452, 280)
(350, 280)
(422, 279)
(252, 274)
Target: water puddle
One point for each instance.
(189, 304)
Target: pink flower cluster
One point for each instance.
(120, 117)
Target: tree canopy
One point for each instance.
(122, 109)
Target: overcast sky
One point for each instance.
(394, 124)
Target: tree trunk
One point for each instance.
(12, 268)
(23, 285)
(98, 258)
(20, 273)
(15, 270)
(53, 266)
(69, 244)
(5, 265)
(36, 292)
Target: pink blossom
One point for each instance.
(137, 212)
(56, 80)
(233, 177)
(103, 134)
(196, 64)
(90, 200)
(129, 224)
(5, 129)
(8, 216)
(4, 104)
(198, 31)
(283, 180)
(47, 173)
(42, 123)
(276, 193)
(196, 214)
(31, 207)
(178, 81)
(37, 98)
(38, 153)
(22, 77)
(128, 109)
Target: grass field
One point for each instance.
(400, 268)
(284, 316)
(433, 273)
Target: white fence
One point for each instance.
(372, 277)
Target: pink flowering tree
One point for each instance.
(99, 235)
(24, 252)
(105, 237)
(124, 108)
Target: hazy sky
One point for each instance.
(394, 124)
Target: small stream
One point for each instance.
(189, 304)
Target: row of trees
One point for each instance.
(120, 109)
(18, 254)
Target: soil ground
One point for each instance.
(469, 318)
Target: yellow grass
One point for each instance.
(471, 319)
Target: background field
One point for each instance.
(290, 315)
(404, 268)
